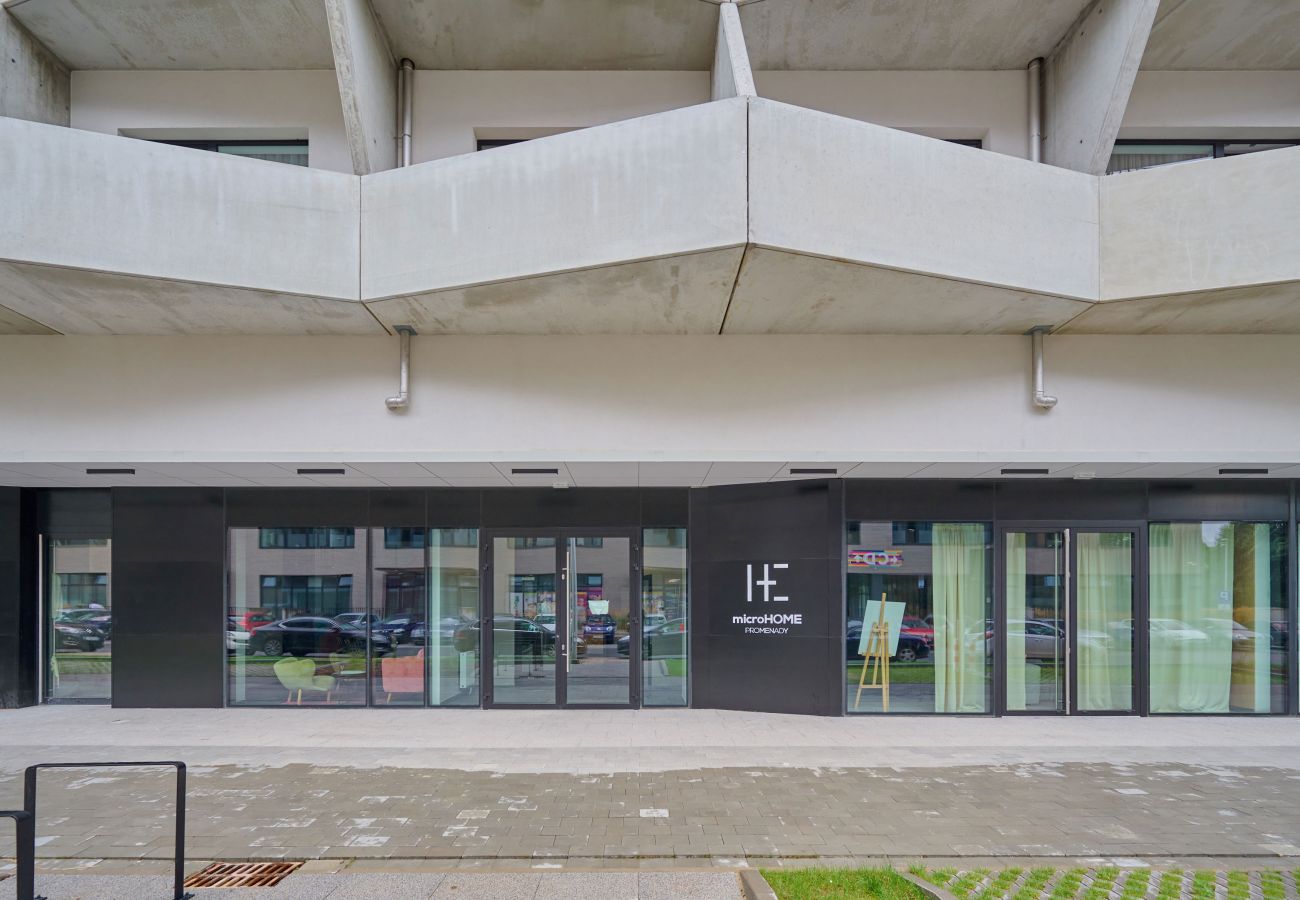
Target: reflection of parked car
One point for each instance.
(446, 630)
(527, 638)
(252, 618)
(600, 627)
(77, 637)
(919, 627)
(546, 620)
(312, 634)
(99, 619)
(910, 647)
(359, 619)
(668, 640)
(398, 627)
(1173, 631)
(236, 637)
(653, 622)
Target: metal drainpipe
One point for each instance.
(403, 398)
(1036, 110)
(406, 94)
(1041, 399)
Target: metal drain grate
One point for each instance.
(237, 875)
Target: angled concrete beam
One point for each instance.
(732, 76)
(1089, 77)
(34, 83)
(367, 84)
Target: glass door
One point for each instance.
(78, 626)
(563, 628)
(1068, 620)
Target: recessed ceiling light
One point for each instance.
(814, 471)
(322, 471)
(1243, 471)
(534, 471)
(110, 471)
(1025, 471)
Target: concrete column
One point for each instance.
(34, 83)
(1089, 77)
(367, 77)
(732, 76)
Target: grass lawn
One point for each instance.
(841, 884)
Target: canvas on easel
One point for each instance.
(877, 645)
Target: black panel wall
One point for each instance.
(18, 607)
(750, 546)
(168, 597)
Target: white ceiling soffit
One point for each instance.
(180, 34)
(1225, 34)
(587, 474)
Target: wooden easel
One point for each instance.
(878, 650)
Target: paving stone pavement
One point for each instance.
(326, 812)
(411, 886)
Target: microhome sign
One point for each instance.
(772, 623)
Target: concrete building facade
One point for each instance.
(369, 352)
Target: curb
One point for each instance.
(754, 886)
(931, 891)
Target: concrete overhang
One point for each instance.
(737, 216)
(646, 34)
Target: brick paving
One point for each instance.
(1022, 810)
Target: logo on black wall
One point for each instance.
(766, 623)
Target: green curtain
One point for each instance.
(1191, 569)
(1017, 588)
(1104, 614)
(960, 602)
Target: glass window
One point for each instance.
(293, 153)
(296, 617)
(398, 629)
(1218, 601)
(665, 618)
(936, 583)
(1130, 155)
(78, 601)
(305, 538)
(453, 639)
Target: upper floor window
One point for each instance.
(1129, 156)
(292, 152)
(305, 538)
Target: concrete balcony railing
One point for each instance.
(728, 217)
(102, 233)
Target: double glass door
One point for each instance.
(563, 629)
(1068, 620)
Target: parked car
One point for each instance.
(546, 620)
(600, 627)
(525, 636)
(653, 622)
(398, 627)
(236, 637)
(252, 618)
(666, 641)
(918, 627)
(910, 647)
(304, 635)
(77, 637)
(446, 630)
(99, 619)
(359, 619)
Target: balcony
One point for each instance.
(738, 217)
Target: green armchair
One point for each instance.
(299, 674)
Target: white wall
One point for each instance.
(644, 398)
(455, 108)
(1213, 105)
(991, 106)
(207, 105)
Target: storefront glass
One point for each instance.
(1218, 623)
(297, 617)
(453, 637)
(665, 620)
(935, 579)
(79, 605)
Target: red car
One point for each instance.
(917, 627)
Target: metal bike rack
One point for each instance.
(24, 851)
(29, 810)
